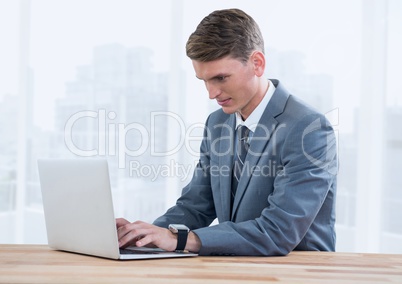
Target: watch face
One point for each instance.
(178, 227)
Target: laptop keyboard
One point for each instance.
(131, 251)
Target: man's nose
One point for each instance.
(213, 91)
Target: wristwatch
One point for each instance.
(182, 234)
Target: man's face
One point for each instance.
(232, 83)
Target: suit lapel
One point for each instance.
(259, 142)
(226, 164)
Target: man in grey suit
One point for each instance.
(280, 195)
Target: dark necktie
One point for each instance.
(240, 156)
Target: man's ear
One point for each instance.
(258, 60)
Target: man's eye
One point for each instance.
(221, 78)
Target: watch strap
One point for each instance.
(181, 239)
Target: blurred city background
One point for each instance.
(111, 79)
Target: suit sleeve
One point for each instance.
(195, 207)
(308, 156)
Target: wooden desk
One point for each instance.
(40, 264)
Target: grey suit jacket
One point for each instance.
(286, 195)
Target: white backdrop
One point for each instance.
(128, 57)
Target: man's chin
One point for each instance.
(228, 110)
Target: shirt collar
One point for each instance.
(253, 119)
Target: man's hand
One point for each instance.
(142, 234)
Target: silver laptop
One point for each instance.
(78, 207)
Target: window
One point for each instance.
(111, 78)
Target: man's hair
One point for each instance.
(222, 33)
